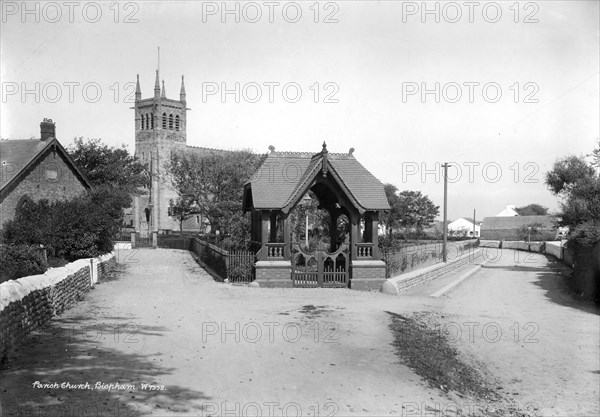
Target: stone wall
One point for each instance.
(28, 303)
(401, 283)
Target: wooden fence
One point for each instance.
(237, 266)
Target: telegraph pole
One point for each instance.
(444, 251)
(474, 223)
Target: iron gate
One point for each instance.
(320, 268)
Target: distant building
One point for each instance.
(464, 227)
(509, 211)
(544, 228)
(36, 169)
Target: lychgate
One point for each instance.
(349, 193)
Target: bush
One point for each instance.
(70, 230)
(20, 261)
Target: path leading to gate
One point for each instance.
(217, 347)
(226, 350)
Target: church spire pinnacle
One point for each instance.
(163, 94)
(156, 86)
(182, 91)
(138, 90)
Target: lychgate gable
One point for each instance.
(343, 187)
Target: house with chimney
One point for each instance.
(36, 169)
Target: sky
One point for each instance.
(500, 90)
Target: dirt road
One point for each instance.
(174, 342)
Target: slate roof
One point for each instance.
(469, 219)
(283, 176)
(18, 155)
(516, 222)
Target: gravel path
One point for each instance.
(206, 348)
(216, 348)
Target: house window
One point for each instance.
(197, 219)
(51, 174)
(170, 122)
(177, 122)
(164, 121)
(23, 201)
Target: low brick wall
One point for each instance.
(367, 275)
(28, 303)
(401, 283)
(274, 274)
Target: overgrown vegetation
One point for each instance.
(20, 261)
(577, 183)
(213, 184)
(431, 356)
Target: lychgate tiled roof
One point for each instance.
(283, 176)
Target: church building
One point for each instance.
(160, 130)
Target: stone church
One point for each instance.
(160, 130)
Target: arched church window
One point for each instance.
(142, 127)
(177, 122)
(170, 122)
(147, 122)
(152, 121)
(164, 121)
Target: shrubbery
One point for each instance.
(70, 230)
(20, 261)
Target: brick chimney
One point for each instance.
(47, 129)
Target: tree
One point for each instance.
(216, 181)
(532, 231)
(391, 219)
(578, 185)
(105, 165)
(417, 211)
(182, 209)
(114, 173)
(532, 210)
(566, 173)
(410, 210)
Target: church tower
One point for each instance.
(160, 129)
